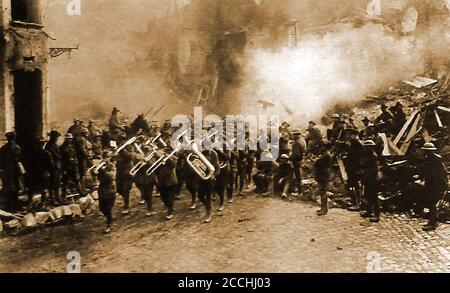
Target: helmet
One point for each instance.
(369, 143)
(284, 156)
(69, 136)
(336, 116)
(429, 147)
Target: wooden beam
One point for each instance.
(394, 148)
(342, 169)
(445, 109)
(386, 151)
(438, 119)
(412, 133)
(405, 127)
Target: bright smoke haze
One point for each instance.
(340, 67)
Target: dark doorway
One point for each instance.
(28, 106)
(19, 10)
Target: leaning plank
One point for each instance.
(444, 109)
(438, 119)
(413, 132)
(394, 148)
(386, 152)
(405, 127)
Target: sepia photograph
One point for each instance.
(225, 137)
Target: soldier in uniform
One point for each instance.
(434, 172)
(369, 180)
(84, 154)
(146, 184)
(115, 126)
(39, 173)
(365, 133)
(337, 130)
(96, 143)
(224, 158)
(167, 185)
(70, 168)
(264, 172)
(124, 180)
(234, 158)
(284, 144)
(322, 171)
(206, 187)
(93, 129)
(55, 173)
(11, 171)
(241, 171)
(107, 189)
(283, 176)
(352, 167)
(313, 139)
(297, 154)
(75, 128)
(399, 118)
(375, 136)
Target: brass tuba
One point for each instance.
(200, 164)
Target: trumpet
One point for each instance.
(163, 159)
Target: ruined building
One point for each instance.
(24, 60)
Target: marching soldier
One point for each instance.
(107, 189)
(167, 185)
(234, 158)
(241, 171)
(124, 180)
(322, 171)
(11, 171)
(224, 158)
(55, 173)
(369, 166)
(206, 187)
(434, 172)
(146, 184)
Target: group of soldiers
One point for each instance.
(115, 159)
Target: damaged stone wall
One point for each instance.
(23, 46)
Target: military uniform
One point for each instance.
(12, 172)
(298, 151)
(283, 176)
(322, 168)
(434, 172)
(369, 166)
(70, 168)
(107, 191)
(205, 188)
(124, 180)
(167, 184)
(55, 173)
(39, 173)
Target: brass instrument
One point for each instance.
(163, 159)
(143, 163)
(198, 162)
(96, 168)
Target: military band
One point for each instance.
(142, 155)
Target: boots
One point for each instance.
(431, 226)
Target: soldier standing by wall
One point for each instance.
(12, 171)
(55, 173)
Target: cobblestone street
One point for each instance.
(254, 234)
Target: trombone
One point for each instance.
(96, 168)
(164, 158)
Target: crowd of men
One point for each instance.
(112, 160)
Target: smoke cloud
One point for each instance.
(340, 67)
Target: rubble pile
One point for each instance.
(426, 103)
(22, 222)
